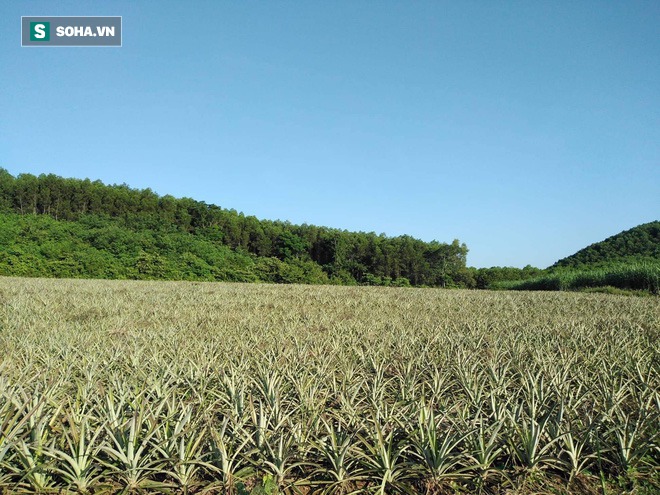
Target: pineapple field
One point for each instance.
(193, 387)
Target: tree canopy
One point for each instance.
(142, 230)
(641, 243)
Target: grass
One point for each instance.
(180, 387)
(643, 277)
(608, 289)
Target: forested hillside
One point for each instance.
(52, 226)
(641, 243)
(628, 260)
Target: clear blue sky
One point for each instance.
(527, 130)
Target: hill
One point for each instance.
(629, 260)
(641, 243)
(57, 227)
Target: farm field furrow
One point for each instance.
(187, 387)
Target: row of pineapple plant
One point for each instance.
(230, 389)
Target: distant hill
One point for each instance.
(628, 261)
(641, 243)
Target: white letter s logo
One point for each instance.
(39, 31)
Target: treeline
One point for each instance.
(119, 232)
(56, 227)
(99, 247)
(488, 278)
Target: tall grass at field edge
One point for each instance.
(644, 277)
